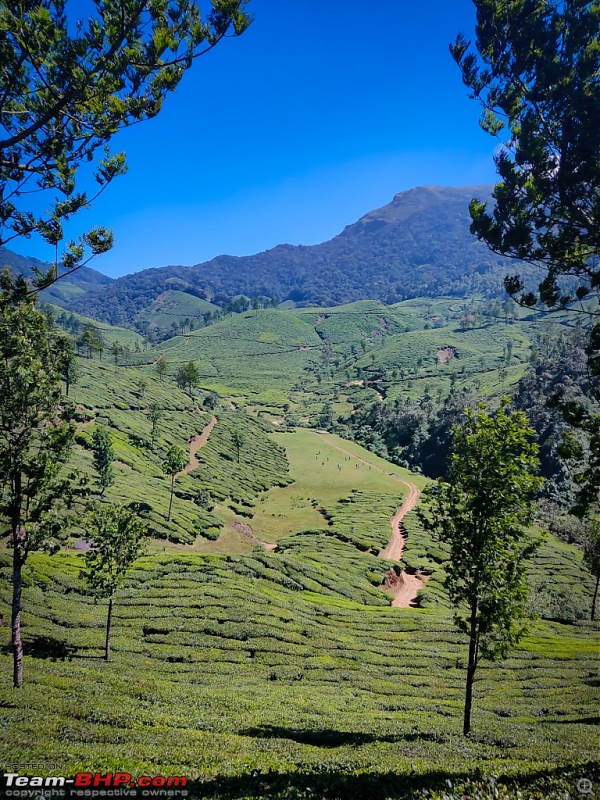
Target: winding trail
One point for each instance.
(195, 443)
(404, 587)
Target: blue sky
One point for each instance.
(320, 112)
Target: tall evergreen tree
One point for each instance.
(103, 456)
(535, 71)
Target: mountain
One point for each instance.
(79, 282)
(417, 245)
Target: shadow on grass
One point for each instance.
(333, 785)
(46, 647)
(333, 738)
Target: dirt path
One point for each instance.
(196, 442)
(404, 587)
(395, 547)
(248, 534)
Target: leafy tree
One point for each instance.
(211, 401)
(535, 71)
(155, 414)
(238, 439)
(68, 84)
(187, 376)
(103, 457)
(591, 556)
(36, 438)
(116, 533)
(162, 367)
(481, 512)
(90, 341)
(174, 462)
(115, 350)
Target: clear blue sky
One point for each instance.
(320, 112)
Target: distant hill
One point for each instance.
(79, 282)
(418, 245)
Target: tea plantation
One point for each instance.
(254, 648)
(286, 673)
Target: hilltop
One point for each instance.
(418, 245)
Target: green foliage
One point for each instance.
(155, 414)
(68, 85)
(116, 533)
(238, 439)
(482, 513)
(591, 556)
(174, 462)
(536, 74)
(187, 376)
(36, 437)
(162, 367)
(90, 341)
(103, 457)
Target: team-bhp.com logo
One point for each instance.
(94, 785)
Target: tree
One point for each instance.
(591, 557)
(238, 439)
(103, 457)
(162, 367)
(155, 414)
(116, 533)
(187, 376)
(535, 73)
(70, 370)
(90, 341)
(36, 438)
(115, 350)
(211, 401)
(481, 512)
(67, 85)
(174, 462)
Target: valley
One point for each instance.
(287, 633)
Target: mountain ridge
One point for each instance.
(418, 244)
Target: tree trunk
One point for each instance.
(593, 617)
(471, 667)
(171, 498)
(17, 643)
(108, 627)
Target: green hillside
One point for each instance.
(255, 647)
(255, 355)
(269, 358)
(174, 308)
(253, 673)
(119, 398)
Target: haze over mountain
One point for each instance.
(417, 245)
